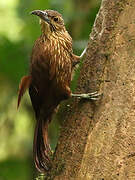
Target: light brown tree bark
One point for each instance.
(97, 140)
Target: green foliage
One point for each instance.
(14, 169)
(18, 31)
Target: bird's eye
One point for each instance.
(55, 19)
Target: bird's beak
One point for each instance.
(42, 14)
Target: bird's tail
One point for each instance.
(41, 147)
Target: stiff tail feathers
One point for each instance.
(41, 147)
(23, 86)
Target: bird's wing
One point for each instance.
(23, 86)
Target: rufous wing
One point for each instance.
(23, 86)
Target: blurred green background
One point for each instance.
(18, 31)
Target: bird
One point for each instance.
(50, 73)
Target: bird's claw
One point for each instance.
(93, 96)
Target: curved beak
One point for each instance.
(42, 14)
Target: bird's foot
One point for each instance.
(92, 96)
(83, 53)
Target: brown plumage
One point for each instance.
(51, 65)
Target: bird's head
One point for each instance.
(50, 20)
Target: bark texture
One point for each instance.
(97, 140)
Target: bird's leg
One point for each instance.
(83, 53)
(77, 59)
(92, 96)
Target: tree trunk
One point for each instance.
(97, 140)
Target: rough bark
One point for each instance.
(97, 140)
